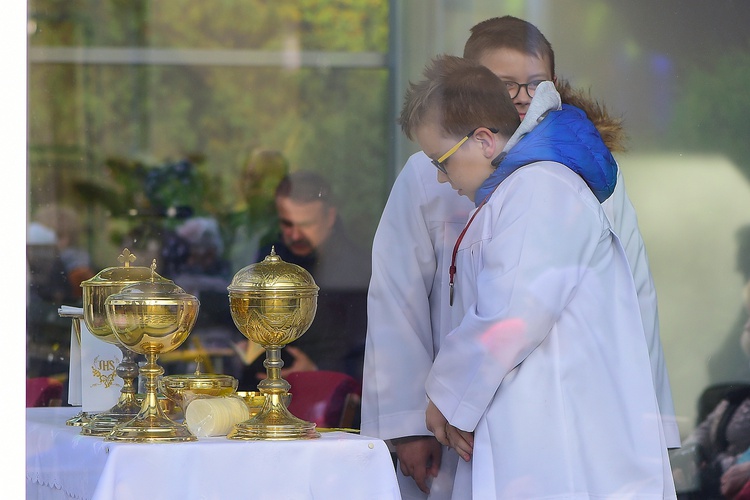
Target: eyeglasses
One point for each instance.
(440, 162)
(514, 88)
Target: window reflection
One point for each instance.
(142, 118)
(150, 84)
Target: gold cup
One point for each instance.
(273, 303)
(151, 318)
(182, 389)
(95, 292)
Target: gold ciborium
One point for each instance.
(273, 303)
(150, 318)
(95, 292)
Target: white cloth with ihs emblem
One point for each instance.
(93, 364)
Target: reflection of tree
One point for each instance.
(132, 192)
(329, 119)
(713, 112)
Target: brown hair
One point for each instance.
(460, 95)
(508, 32)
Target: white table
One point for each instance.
(60, 463)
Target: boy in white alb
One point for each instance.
(545, 387)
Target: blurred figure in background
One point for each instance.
(254, 224)
(47, 278)
(193, 259)
(727, 363)
(65, 222)
(47, 288)
(714, 461)
(313, 237)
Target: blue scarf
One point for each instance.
(566, 136)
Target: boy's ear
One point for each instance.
(489, 142)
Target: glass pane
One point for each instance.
(143, 113)
(143, 116)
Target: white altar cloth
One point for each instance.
(60, 463)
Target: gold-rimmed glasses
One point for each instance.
(439, 163)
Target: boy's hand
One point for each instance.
(419, 458)
(448, 435)
(734, 479)
(461, 441)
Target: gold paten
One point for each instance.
(95, 292)
(150, 318)
(273, 303)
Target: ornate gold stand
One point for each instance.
(151, 424)
(274, 421)
(82, 418)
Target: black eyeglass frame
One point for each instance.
(529, 86)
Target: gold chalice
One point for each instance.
(273, 303)
(95, 292)
(151, 318)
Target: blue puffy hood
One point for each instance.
(565, 136)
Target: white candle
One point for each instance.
(215, 416)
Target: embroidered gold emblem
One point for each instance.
(105, 371)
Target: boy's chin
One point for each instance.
(470, 196)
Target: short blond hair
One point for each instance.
(460, 95)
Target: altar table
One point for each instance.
(60, 463)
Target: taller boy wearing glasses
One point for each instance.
(408, 307)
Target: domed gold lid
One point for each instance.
(105, 283)
(124, 274)
(273, 274)
(155, 290)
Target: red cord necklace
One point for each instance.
(452, 270)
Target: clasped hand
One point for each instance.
(447, 434)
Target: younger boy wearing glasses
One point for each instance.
(544, 389)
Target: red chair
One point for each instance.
(327, 398)
(43, 391)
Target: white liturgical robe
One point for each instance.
(550, 366)
(409, 313)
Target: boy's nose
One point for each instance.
(522, 100)
(441, 177)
